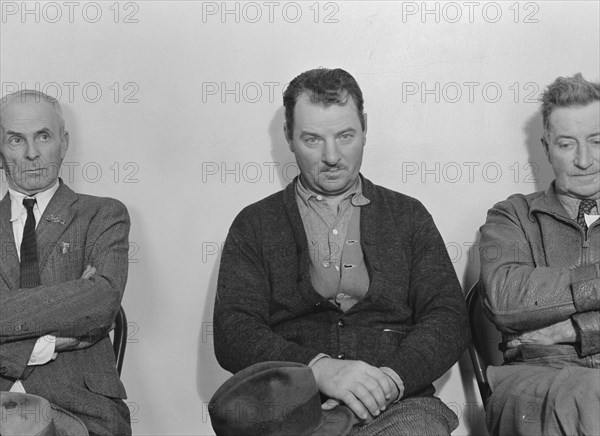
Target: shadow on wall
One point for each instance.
(207, 366)
(540, 167)
(280, 150)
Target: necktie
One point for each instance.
(30, 275)
(585, 206)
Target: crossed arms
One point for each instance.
(78, 312)
(528, 301)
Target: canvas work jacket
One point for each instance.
(539, 267)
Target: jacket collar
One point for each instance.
(548, 203)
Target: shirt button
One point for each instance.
(325, 263)
(319, 197)
(341, 323)
(341, 356)
(335, 231)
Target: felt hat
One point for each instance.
(30, 415)
(275, 399)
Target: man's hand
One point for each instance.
(561, 332)
(89, 271)
(363, 388)
(71, 344)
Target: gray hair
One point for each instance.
(568, 91)
(24, 93)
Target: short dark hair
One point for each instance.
(568, 91)
(325, 86)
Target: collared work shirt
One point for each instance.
(337, 266)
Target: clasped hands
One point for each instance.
(364, 388)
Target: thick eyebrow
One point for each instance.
(348, 130)
(591, 135)
(341, 132)
(309, 133)
(43, 130)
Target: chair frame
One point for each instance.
(476, 347)
(120, 338)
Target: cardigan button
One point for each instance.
(318, 305)
(341, 356)
(341, 323)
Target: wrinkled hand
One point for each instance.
(365, 389)
(71, 344)
(561, 332)
(89, 271)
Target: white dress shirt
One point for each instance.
(43, 351)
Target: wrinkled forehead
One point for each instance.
(582, 119)
(28, 112)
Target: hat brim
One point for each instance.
(59, 421)
(336, 422)
(66, 423)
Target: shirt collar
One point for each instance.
(571, 204)
(355, 192)
(43, 198)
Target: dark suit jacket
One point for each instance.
(75, 231)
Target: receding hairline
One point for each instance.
(23, 96)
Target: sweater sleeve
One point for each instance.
(242, 334)
(441, 329)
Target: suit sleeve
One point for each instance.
(520, 295)
(14, 357)
(441, 328)
(242, 335)
(82, 308)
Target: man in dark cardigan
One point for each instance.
(348, 277)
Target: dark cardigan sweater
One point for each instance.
(413, 318)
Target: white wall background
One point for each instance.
(175, 108)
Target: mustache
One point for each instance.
(328, 168)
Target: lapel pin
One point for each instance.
(55, 219)
(65, 247)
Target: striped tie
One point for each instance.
(30, 275)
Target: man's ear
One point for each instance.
(288, 136)
(64, 146)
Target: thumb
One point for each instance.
(330, 404)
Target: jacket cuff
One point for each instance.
(587, 326)
(317, 357)
(396, 379)
(585, 287)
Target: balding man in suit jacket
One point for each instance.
(57, 311)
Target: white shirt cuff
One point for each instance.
(43, 351)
